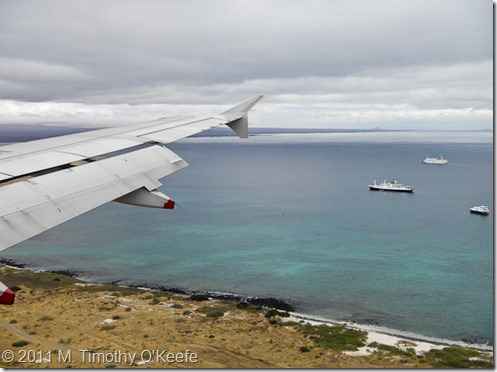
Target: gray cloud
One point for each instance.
(432, 55)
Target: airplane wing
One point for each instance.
(46, 182)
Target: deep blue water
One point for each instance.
(295, 220)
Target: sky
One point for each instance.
(394, 64)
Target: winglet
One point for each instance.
(237, 116)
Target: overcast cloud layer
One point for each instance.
(320, 63)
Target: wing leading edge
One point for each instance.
(47, 182)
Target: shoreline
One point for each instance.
(273, 302)
(379, 334)
(63, 322)
(392, 337)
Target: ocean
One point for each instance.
(290, 216)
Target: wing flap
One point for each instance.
(31, 163)
(41, 203)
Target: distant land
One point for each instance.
(31, 132)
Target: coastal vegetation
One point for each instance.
(338, 338)
(56, 312)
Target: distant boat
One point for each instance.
(480, 209)
(430, 160)
(390, 186)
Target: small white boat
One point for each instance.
(431, 160)
(390, 186)
(480, 209)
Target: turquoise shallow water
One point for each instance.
(295, 220)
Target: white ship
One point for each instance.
(390, 186)
(480, 209)
(430, 160)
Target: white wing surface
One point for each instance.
(46, 182)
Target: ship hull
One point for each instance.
(483, 213)
(434, 162)
(378, 188)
